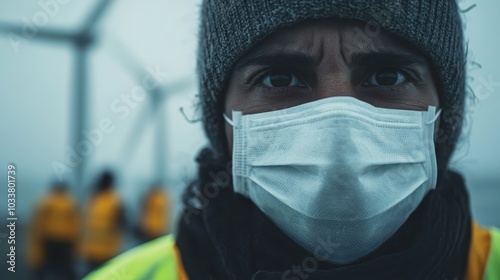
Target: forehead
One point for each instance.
(320, 37)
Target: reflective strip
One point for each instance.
(493, 267)
(181, 272)
(480, 245)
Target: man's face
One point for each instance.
(326, 58)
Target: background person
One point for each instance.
(103, 223)
(54, 234)
(154, 220)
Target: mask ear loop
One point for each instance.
(228, 120)
(434, 119)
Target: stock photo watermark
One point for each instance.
(48, 9)
(121, 108)
(11, 218)
(484, 87)
(221, 180)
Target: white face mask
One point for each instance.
(335, 171)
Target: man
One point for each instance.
(336, 121)
(103, 223)
(154, 220)
(53, 235)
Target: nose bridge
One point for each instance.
(334, 83)
(333, 71)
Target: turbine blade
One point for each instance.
(137, 131)
(181, 85)
(125, 58)
(46, 33)
(96, 14)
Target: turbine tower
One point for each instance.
(81, 40)
(154, 111)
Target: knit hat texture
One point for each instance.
(229, 29)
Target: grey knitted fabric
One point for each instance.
(229, 28)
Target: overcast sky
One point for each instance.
(36, 86)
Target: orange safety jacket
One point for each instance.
(155, 219)
(102, 234)
(57, 219)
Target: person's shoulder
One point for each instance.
(155, 259)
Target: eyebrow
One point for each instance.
(389, 58)
(281, 58)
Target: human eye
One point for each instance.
(387, 77)
(281, 79)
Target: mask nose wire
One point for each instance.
(228, 120)
(435, 117)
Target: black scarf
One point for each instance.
(223, 235)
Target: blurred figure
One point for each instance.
(155, 215)
(104, 222)
(53, 235)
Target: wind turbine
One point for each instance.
(153, 112)
(81, 40)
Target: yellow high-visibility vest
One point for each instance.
(160, 259)
(484, 254)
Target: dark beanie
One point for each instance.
(229, 29)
